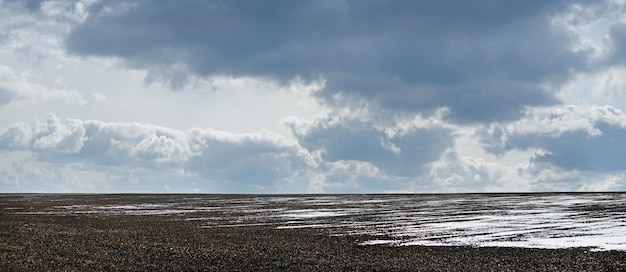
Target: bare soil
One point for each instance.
(31, 240)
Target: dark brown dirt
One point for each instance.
(95, 242)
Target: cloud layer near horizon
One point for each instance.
(260, 158)
(372, 95)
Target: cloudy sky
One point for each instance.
(331, 96)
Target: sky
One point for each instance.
(341, 96)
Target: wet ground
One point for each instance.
(468, 232)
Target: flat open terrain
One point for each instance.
(475, 232)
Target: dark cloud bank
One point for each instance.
(572, 138)
(484, 60)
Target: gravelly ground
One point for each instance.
(31, 240)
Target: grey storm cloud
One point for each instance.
(262, 158)
(484, 60)
(577, 150)
(618, 39)
(30, 5)
(5, 97)
(572, 138)
(400, 150)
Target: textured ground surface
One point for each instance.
(154, 232)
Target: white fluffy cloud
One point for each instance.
(455, 173)
(86, 155)
(262, 159)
